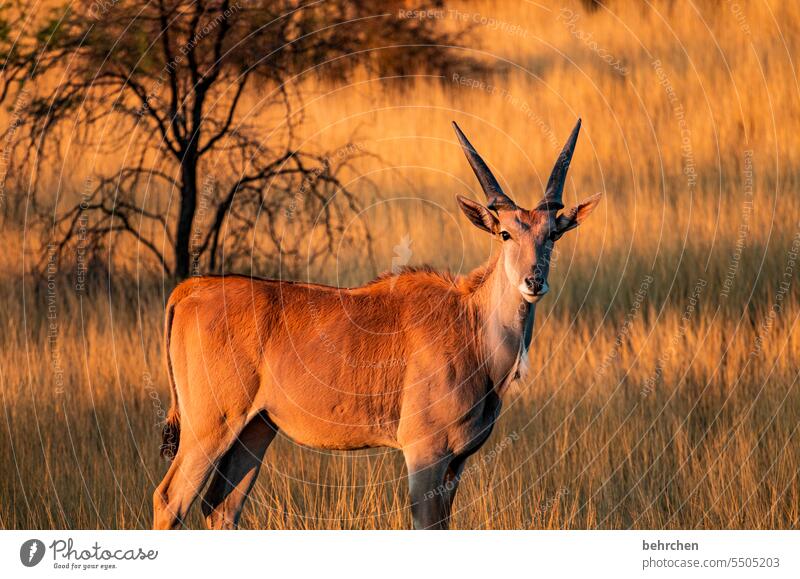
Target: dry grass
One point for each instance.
(667, 360)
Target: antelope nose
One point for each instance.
(535, 284)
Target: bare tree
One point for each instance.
(176, 82)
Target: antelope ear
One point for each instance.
(479, 215)
(576, 215)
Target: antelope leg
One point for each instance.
(430, 499)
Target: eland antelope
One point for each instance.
(415, 360)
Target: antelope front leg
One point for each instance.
(452, 478)
(430, 501)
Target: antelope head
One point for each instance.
(527, 235)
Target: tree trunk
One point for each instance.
(185, 262)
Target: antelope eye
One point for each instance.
(505, 235)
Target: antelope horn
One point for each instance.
(494, 193)
(555, 185)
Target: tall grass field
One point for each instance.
(665, 360)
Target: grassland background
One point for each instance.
(666, 358)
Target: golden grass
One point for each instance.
(665, 392)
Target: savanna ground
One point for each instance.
(666, 358)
